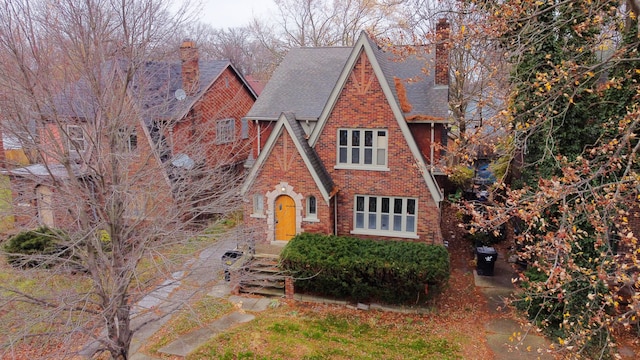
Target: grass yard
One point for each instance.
(309, 331)
(6, 217)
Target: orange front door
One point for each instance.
(285, 218)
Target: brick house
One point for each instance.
(353, 146)
(190, 115)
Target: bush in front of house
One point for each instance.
(33, 247)
(345, 267)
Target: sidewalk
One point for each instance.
(506, 337)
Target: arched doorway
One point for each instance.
(45, 208)
(285, 218)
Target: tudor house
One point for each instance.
(190, 115)
(355, 139)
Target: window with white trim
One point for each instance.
(312, 207)
(362, 147)
(225, 131)
(258, 204)
(385, 215)
(77, 142)
(129, 139)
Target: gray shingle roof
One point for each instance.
(309, 153)
(417, 72)
(302, 83)
(153, 87)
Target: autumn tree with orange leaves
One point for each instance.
(574, 118)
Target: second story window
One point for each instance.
(225, 131)
(77, 142)
(129, 139)
(362, 148)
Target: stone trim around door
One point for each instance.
(282, 189)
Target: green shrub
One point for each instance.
(34, 247)
(346, 267)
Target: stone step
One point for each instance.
(260, 290)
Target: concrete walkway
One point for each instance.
(506, 337)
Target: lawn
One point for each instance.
(6, 219)
(311, 331)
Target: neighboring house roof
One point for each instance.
(57, 171)
(301, 84)
(319, 173)
(154, 88)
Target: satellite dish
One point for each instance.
(180, 94)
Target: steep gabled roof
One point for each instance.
(288, 122)
(365, 45)
(153, 88)
(301, 84)
(416, 70)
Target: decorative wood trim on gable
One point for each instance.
(286, 156)
(361, 82)
(364, 47)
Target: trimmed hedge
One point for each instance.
(346, 267)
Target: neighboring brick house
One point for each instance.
(353, 145)
(193, 116)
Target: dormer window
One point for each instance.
(77, 142)
(362, 148)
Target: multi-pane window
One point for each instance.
(381, 214)
(362, 147)
(129, 138)
(258, 204)
(225, 131)
(77, 142)
(312, 210)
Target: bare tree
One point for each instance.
(478, 73)
(78, 92)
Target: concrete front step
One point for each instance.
(261, 290)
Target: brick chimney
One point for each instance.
(442, 52)
(190, 70)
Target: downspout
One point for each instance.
(432, 146)
(335, 214)
(258, 126)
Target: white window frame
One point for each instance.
(362, 149)
(73, 142)
(130, 137)
(225, 131)
(258, 206)
(399, 218)
(311, 209)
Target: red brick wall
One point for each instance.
(362, 104)
(195, 135)
(422, 135)
(141, 164)
(286, 165)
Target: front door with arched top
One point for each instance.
(285, 218)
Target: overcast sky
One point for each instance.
(233, 13)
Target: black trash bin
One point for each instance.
(228, 259)
(487, 257)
